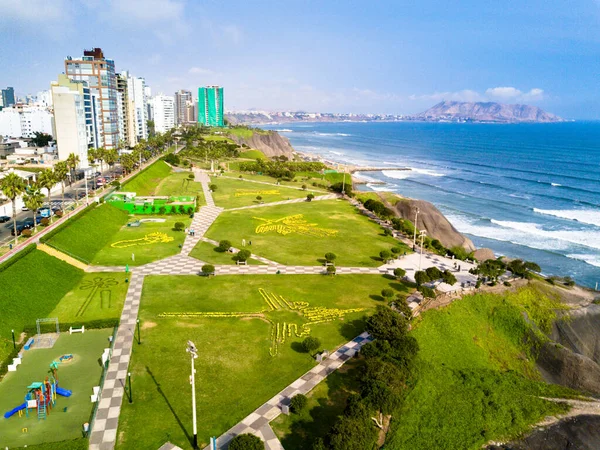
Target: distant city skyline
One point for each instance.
(395, 57)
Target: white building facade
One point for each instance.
(164, 113)
(25, 120)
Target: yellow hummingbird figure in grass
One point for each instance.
(150, 238)
(293, 224)
(286, 317)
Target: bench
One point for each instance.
(77, 330)
(29, 343)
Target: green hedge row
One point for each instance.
(66, 223)
(9, 262)
(75, 444)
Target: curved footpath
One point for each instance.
(104, 428)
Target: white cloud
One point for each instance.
(32, 10)
(506, 94)
(466, 95)
(509, 93)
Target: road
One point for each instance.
(55, 202)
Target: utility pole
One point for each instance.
(344, 182)
(415, 236)
(421, 235)
(191, 349)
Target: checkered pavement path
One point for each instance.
(173, 265)
(104, 427)
(202, 221)
(285, 202)
(258, 422)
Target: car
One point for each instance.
(4, 219)
(20, 229)
(24, 208)
(45, 212)
(80, 194)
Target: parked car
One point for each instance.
(4, 219)
(45, 212)
(20, 229)
(24, 208)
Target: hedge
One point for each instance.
(15, 258)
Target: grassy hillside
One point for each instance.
(87, 235)
(477, 379)
(146, 182)
(31, 289)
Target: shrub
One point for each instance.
(311, 344)
(213, 187)
(243, 255)
(304, 187)
(507, 284)
(448, 277)
(399, 272)
(58, 214)
(116, 184)
(396, 250)
(259, 198)
(421, 277)
(191, 176)
(387, 232)
(309, 197)
(224, 245)
(298, 403)
(433, 273)
(426, 291)
(387, 293)
(208, 269)
(246, 442)
(569, 281)
(179, 226)
(330, 257)
(45, 222)
(331, 270)
(385, 255)
(162, 210)
(386, 324)
(26, 233)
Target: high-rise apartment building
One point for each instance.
(210, 106)
(24, 120)
(127, 119)
(71, 129)
(8, 97)
(137, 94)
(99, 74)
(183, 101)
(164, 113)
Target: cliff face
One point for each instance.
(486, 112)
(432, 220)
(270, 143)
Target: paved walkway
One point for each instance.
(104, 427)
(236, 250)
(257, 422)
(285, 202)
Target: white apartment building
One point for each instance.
(70, 122)
(25, 120)
(136, 92)
(164, 113)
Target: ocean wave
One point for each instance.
(555, 184)
(336, 153)
(593, 260)
(333, 134)
(361, 176)
(381, 187)
(285, 130)
(584, 238)
(589, 216)
(402, 174)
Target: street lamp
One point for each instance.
(129, 383)
(415, 236)
(422, 234)
(13, 336)
(138, 330)
(191, 349)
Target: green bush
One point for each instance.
(310, 197)
(246, 442)
(243, 255)
(421, 277)
(179, 226)
(507, 284)
(449, 277)
(298, 403)
(330, 257)
(331, 270)
(433, 273)
(387, 293)
(426, 291)
(208, 269)
(213, 187)
(224, 245)
(311, 344)
(385, 255)
(399, 272)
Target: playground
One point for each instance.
(78, 372)
(147, 238)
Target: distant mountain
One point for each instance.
(486, 112)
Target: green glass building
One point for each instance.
(210, 106)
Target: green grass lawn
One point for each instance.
(97, 296)
(253, 154)
(79, 376)
(142, 242)
(31, 289)
(205, 251)
(235, 371)
(325, 403)
(235, 193)
(476, 380)
(146, 182)
(308, 180)
(87, 235)
(177, 184)
(357, 242)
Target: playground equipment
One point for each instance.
(41, 396)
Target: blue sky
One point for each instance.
(336, 55)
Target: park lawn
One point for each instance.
(237, 193)
(357, 242)
(178, 184)
(253, 154)
(326, 402)
(268, 179)
(476, 379)
(147, 182)
(86, 235)
(235, 371)
(205, 251)
(31, 289)
(97, 296)
(79, 376)
(144, 253)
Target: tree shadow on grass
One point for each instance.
(161, 392)
(377, 298)
(400, 287)
(349, 330)
(297, 347)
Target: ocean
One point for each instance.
(530, 191)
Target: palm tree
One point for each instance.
(72, 163)
(127, 161)
(111, 156)
(34, 199)
(47, 179)
(92, 156)
(100, 156)
(60, 172)
(13, 185)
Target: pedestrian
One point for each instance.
(186, 230)
(249, 242)
(243, 242)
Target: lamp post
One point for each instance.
(422, 234)
(138, 330)
(13, 336)
(191, 349)
(415, 236)
(129, 384)
(344, 182)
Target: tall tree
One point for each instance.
(110, 157)
(92, 156)
(13, 185)
(100, 154)
(41, 139)
(46, 180)
(72, 163)
(127, 161)
(60, 173)
(34, 199)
